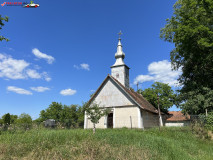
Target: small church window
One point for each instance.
(117, 75)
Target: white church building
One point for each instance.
(128, 108)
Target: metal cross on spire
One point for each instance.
(120, 33)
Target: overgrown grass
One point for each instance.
(169, 143)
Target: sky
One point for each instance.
(63, 50)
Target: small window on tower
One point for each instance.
(117, 75)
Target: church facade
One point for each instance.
(128, 108)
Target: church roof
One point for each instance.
(136, 97)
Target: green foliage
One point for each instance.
(197, 101)
(191, 30)
(25, 121)
(52, 112)
(9, 118)
(6, 119)
(13, 118)
(209, 121)
(95, 112)
(67, 116)
(166, 95)
(167, 144)
(2, 19)
(1, 122)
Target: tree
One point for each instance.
(25, 121)
(1, 122)
(52, 112)
(9, 118)
(198, 101)
(191, 30)
(166, 96)
(80, 114)
(13, 118)
(94, 113)
(69, 116)
(1, 25)
(6, 119)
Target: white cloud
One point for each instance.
(40, 89)
(85, 66)
(68, 92)
(11, 68)
(160, 71)
(46, 76)
(41, 55)
(19, 90)
(33, 74)
(82, 66)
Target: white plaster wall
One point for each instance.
(122, 117)
(177, 124)
(101, 123)
(123, 72)
(110, 95)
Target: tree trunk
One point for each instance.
(93, 128)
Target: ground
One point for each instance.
(169, 143)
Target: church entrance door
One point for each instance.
(110, 120)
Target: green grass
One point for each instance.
(169, 143)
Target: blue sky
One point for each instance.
(63, 50)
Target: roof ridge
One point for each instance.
(144, 104)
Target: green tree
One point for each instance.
(6, 118)
(1, 122)
(69, 116)
(166, 96)
(2, 19)
(80, 114)
(94, 113)
(25, 121)
(13, 118)
(198, 101)
(191, 30)
(52, 112)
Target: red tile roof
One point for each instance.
(177, 116)
(144, 104)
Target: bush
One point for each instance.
(209, 121)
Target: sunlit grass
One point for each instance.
(169, 143)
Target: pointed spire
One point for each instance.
(119, 55)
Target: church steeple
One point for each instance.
(119, 55)
(120, 70)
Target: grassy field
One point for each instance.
(170, 143)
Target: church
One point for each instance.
(127, 108)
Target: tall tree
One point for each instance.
(2, 19)
(166, 96)
(69, 115)
(52, 112)
(191, 30)
(7, 119)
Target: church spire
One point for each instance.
(120, 70)
(119, 55)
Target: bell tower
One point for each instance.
(120, 70)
